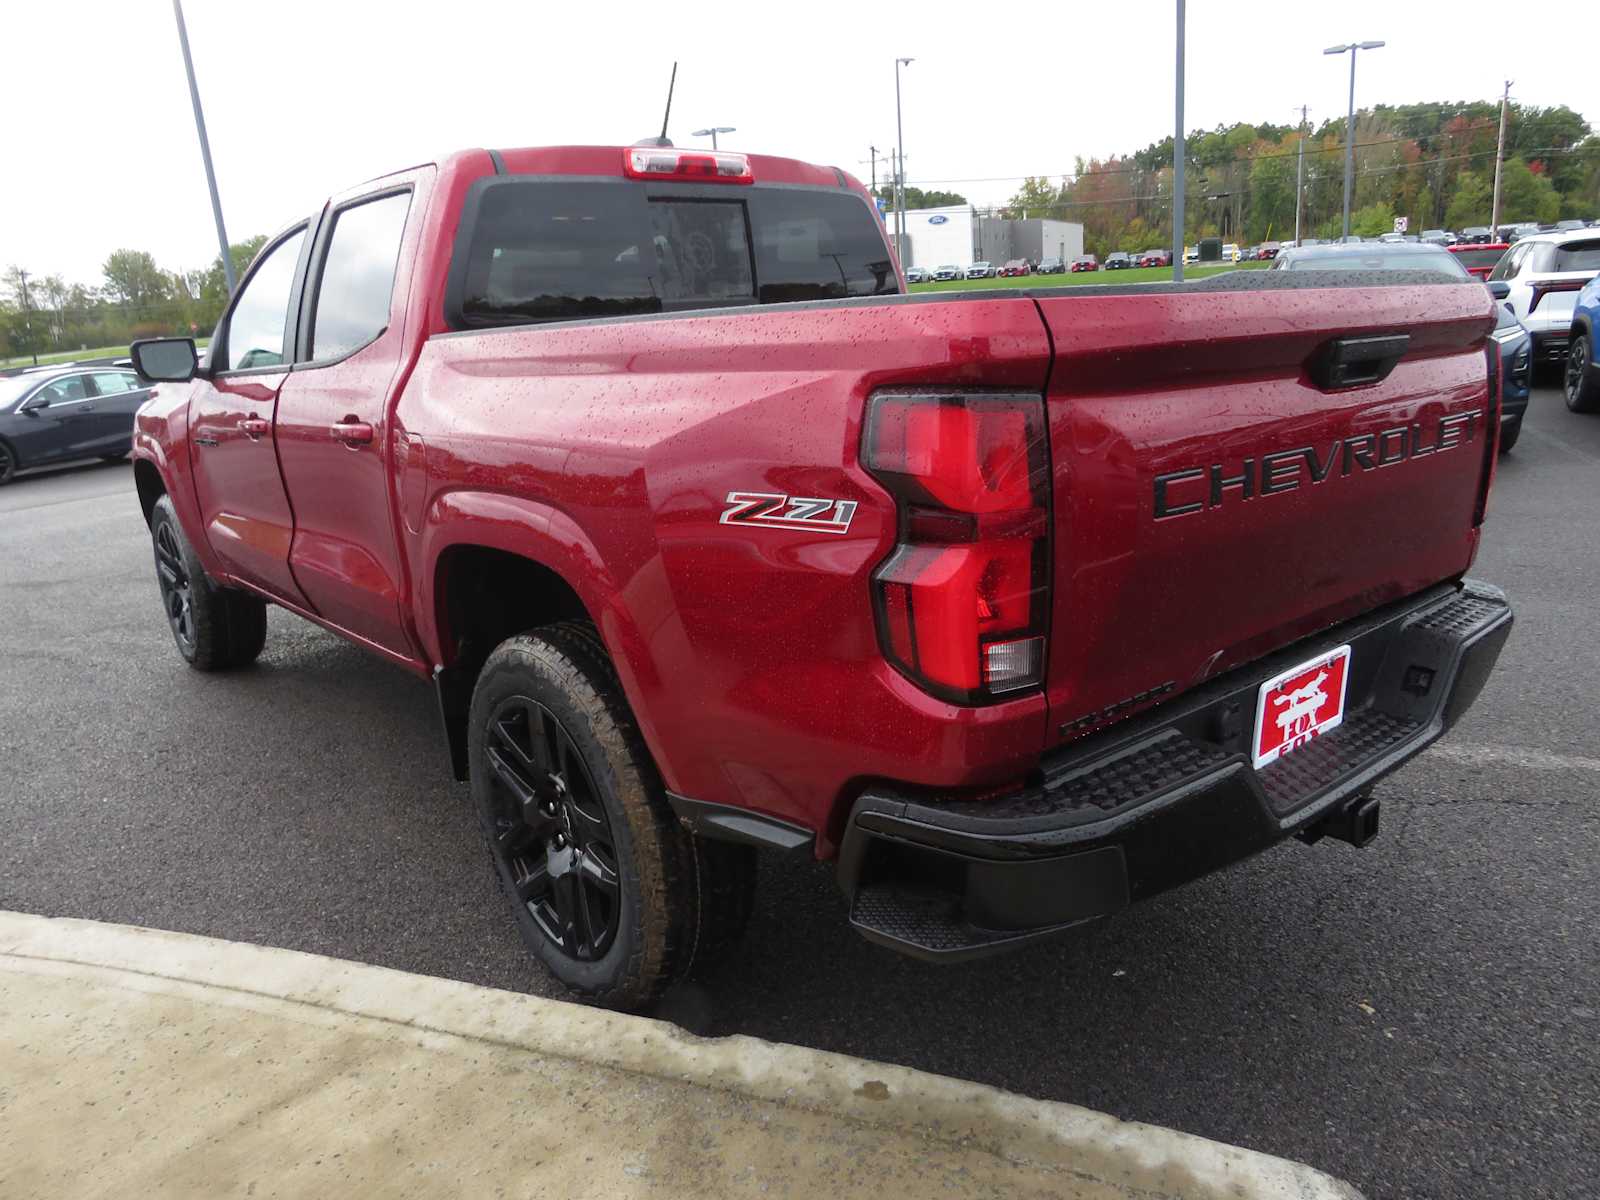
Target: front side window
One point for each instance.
(62, 391)
(1506, 268)
(255, 334)
(539, 250)
(358, 276)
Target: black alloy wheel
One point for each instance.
(552, 839)
(8, 464)
(1580, 391)
(177, 589)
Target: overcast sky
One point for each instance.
(304, 98)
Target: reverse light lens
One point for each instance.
(963, 599)
(1008, 666)
(700, 166)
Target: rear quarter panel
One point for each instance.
(749, 655)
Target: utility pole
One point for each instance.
(1300, 174)
(205, 146)
(873, 151)
(1499, 158)
(27, 315)
(1177, 164)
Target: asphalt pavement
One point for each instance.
(1421, 1017)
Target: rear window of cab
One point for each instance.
(533, 250)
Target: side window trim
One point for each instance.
(217, 352)
(311, 280)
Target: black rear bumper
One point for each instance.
(1168, 796)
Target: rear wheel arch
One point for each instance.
(481, 596)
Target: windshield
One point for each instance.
(1478, 258)
(11, 390)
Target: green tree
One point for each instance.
(1371, 220)
(133, 278)
(1470, 204)
(1526, 195)
(1037, 197)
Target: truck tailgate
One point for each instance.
(1218, 494)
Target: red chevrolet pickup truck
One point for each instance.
(1019, 605)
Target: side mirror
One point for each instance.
(37, 404)
(1499, 289)
(165, 360)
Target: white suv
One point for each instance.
(1540, 278)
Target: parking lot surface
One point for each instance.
(1421, 1017)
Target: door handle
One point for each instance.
(352, 433)
(254, 427)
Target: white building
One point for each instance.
(936, 236)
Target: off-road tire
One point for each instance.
(681, 901)
(224, 627)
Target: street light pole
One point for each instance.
(1350, 123)
(1177, 164)
(900, 166)
(712, 133)
(205, 146)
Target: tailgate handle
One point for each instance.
(1351, 361)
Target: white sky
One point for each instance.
(305, 97)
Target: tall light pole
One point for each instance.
(205, 146)
(900, 167)
(1177, 164)
(1350, 124)
(712, 133)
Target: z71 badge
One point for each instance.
(818, 514)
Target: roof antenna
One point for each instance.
(664, 140)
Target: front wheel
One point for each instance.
(8, 464)
(1581, 393)
(214, 627)
(1510, 431)
(608, 890)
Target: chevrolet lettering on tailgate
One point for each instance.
(1178, 493)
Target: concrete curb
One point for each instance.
(1079, 1152)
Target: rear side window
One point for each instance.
(358, 276)
(112, 383)
(542, 250)
(1577, 256)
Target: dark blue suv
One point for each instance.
(1516, 373)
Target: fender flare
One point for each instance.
(548, 536)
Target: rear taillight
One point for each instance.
(688, 166)
(963, 601)
(1541, 289)
(1491, 431)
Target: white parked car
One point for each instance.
(1540, 277)
(980, 270)
(1230, 252)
